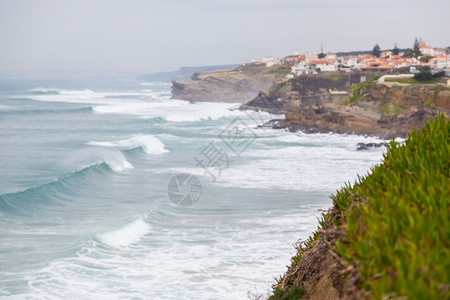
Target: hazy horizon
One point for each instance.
(141, 36)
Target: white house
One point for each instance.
(426, 50)
(438, 51)
(350, 61)
(270, 61)
(322, 66)
(299, 68)
(331, 56)
(439, 62)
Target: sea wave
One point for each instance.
(148, 143)
(22, 111)
(144, 103)
(125, 235)
(89, 96)
(171, 110)
(284, 162)
(55, 192)
(43, 90)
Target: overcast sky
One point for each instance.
(149, 36)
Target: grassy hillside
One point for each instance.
(395, 222)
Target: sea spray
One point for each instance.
(125, 235)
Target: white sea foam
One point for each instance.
(44, 90)
(126, 235)
(140, 108)
(171, 110)
(156, 83)
(149, 144)
(89, 96)
(305, 164)
(145, 103)
(96, 156)
(203, 111)
(118, 164)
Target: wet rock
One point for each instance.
(363, 146)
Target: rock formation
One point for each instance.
(239, 85)
(311, 105)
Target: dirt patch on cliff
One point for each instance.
(442, 100)
(321, 271)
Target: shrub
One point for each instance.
(396, 221)
(423, 76)
(397, 218)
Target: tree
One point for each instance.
(321, 54)
(416, 50)
(376, 51)
(423, 76)
(416, 43)
(395, 51)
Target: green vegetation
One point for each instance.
(356, 91)
(414, 81)
(415, 50)
(292, 292)
(397, 218)
(389, 109)
(338, 78)
(376, 51)
(427, 76)
(306, 84)
(429, 101)
(396, 50)
(281, 72)
(425, 59)
(354, 98)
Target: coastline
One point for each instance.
(322, 269)
(362, 103)
(317, 103)
(372, 242)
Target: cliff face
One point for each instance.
(183, 73)
(381, 111)
(238, 85)
(303, 91)
(312, 104)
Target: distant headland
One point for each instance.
(384, 93)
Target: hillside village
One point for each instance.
(436, 59)
(337, 80)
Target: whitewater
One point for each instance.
(85, 211)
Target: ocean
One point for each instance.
(113, 190)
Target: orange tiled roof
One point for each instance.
(319, 62)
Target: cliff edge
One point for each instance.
(239, 85)
(322, 103)
(385, 236)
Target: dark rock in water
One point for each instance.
(270, 124)
(362, 146)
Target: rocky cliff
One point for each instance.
(317, 103)
(303, 91)
(184, 73)
(239, 85)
